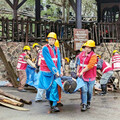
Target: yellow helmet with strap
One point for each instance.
(90, 43)
(26, 47)
(52, 35)
(35, 44)
(56, 43)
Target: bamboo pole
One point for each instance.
(15, 97)
(10, 101)
(13, 107)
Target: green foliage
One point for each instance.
(88, 8)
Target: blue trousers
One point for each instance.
(87, 91)
(52, 93)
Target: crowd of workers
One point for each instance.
(51, 66)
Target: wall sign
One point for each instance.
(80, 37)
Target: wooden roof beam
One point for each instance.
(10, 4)
(20, 4)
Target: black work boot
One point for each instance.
(50, 102)
(104, 89)
(88, 105)
(84, 108)
(55, 109)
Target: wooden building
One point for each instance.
(108, 10)
(108, 26)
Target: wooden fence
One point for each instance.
(105, 32)
(27, 30)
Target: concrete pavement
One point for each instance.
(102, 108)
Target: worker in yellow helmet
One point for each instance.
(86, 69)
(49, 68)
(36, 47)
(107, 73)
(40, 92)
(115, 62)
(23, 60)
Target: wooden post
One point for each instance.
(38, 15)
(22, 29)
(9, 68)
(3, 27)
(99, 11)
(78, 14)
(27, 30)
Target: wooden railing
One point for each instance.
(106, 32)
(27, 30)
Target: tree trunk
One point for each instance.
(63, 11)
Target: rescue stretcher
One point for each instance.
(79, 81)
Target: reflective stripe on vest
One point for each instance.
(105, 69)
(83, 65)
(21, 61)
(55, 59)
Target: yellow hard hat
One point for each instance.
(98, 55)
(81, 49)
(35, 44)
(90, 43)
(83, 45)
(56, 43)
(26, 47)
(115, 51)
(52, 35)
(66, 58)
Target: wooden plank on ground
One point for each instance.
(14, 107)
(15, 97)
(10, 101)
